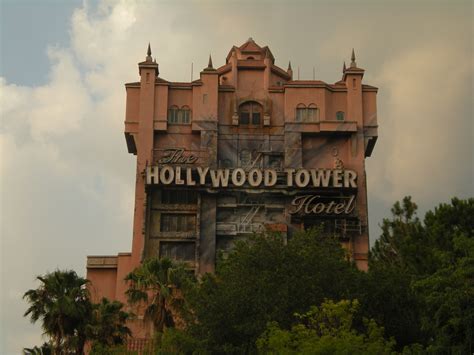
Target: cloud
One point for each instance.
(67, 181)
(426, 124)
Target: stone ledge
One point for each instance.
(102, 262)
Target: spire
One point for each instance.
(289, 66)
(353, 58)
(149, 62)
(209, 65)
(344, 67)
(148, 53)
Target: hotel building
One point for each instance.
(241, 150)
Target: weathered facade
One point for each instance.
(243, 149)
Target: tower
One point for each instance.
(243, 149)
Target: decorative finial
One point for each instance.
(209, 65)
(250, 39)
(344, 67)
(148, 54)
(353, 58)
(289, 65)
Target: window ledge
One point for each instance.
(322, 126)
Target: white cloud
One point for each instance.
(67, 182)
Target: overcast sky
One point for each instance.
(67, 181)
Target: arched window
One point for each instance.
(186, 114)
(307, 114)
(179, 115)
(340, 116)
(250, 113)
(173, 114)
(313, 113)
(300, 113)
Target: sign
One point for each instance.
(203, 176)
(318, 205)
(176, 156)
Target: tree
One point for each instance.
(448, 300)
(45, 349)
(390, 299)
(328, 329)
(62, 304)
(263, 280)
(156, 279)
(420, 280)
(107, 326)
(401, 243)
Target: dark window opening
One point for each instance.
(250, 113)
(340, 116)
(256, 118)
(177, 222)
(244, 118)
(180, 251)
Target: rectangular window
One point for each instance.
(244, 118)
(177, 222)
(185, 197)
(179, 251)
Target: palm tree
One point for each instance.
(62, 304)
(45, 349)
(108, 323)
(153, 283)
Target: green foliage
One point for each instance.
(391, 301)
(401, 243)
(420, 287)
(62, 305)
(328, 329)
(102, 349)
(175, 341)
(157, 279)
(448, 300)
(107, 326)
(420, 281)
(45, 349)
(264, 280)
